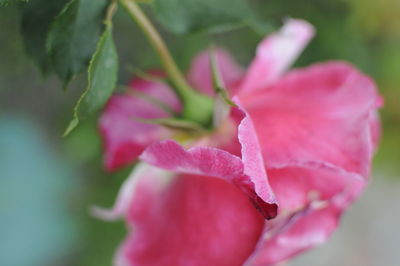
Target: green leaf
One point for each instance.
(102, 79)
(186, 16)
(37, 16)
(73, 36)
(8, 2)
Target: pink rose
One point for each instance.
(269, 182)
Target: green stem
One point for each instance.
(180, 85)
(196, 106)
(112, 8)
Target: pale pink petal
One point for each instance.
(119, 258)
(192, 220)
(124, 137)
(288, 236)
(295, 186)
(126, 193)
(199, 74)
(320, 113)
(214, 162)
(276, 53)
(375, 128)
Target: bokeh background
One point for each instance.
(48, 183)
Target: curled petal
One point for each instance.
(124, 137)
(212, 162)
(253, 161)
(208, 161)
(199, 74)
(191, 220)
(276, 53)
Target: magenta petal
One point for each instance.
(208, 161)
(276, 53)
(213, 162)
(253, 162)
(124, 137)
(305, 229)
(199, 74)
(320, 114)
(296, 186)
(317, 128)
(156, 90)
(191, 220)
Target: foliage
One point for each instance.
(37, 16)
(102, 78)
(187, 16)
(61, 36)
(8, 2)
(73, 36)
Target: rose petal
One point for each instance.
(320, 113)
(156, 89)
(316, 132)
(141, 173)
(199, 74)
(375, 128)
(248, 173)
(276, 53)
(253, 161)
(305, 229)
(213, 162)
(125, 138)
(193, 220)
(295, 186)
(208, 161)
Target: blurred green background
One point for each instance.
(48, 183)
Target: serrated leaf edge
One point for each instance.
(75, 119)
